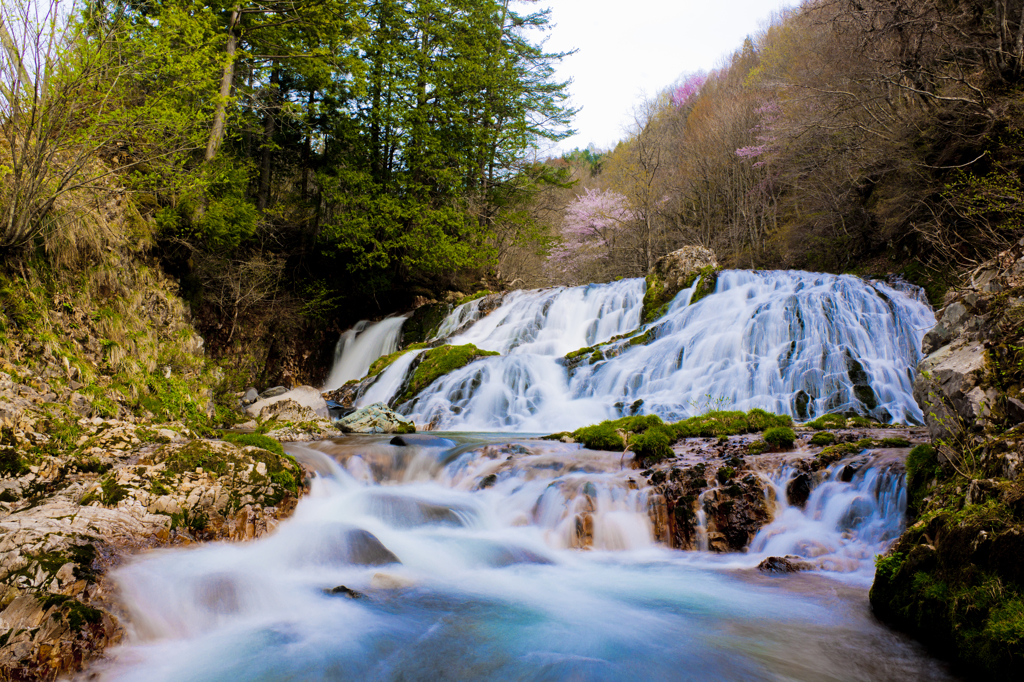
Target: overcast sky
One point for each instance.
(634, 48)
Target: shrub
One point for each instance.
(780, 436)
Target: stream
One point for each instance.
(451, 558)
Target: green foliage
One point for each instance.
(823, 438)
(839, 421)
(833, 453)
(438, 362)
(779, 436)
(111, 491)
(473, 297)
(256, 440)
(77, 614)
(922, 467)
(729, 423)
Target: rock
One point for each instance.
(251, 396)
(674, 272)
(288, 411)
(784, 564)
(338, 544)
(944, 388)
(398, 440)
(307, 396)
(344, 592)
(376, 418)
(798, 490)
(676, 269)
(273, 392)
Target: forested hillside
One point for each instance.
(300, 165)
(291, 163)
(850, 135)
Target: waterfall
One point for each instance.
(359, 346)
(797, 343)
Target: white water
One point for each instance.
(488, 588)
(789, 342)
(359, 346)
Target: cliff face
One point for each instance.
(955, 579)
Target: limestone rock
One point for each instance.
(676, 269)
(306, 396)
(376, 418)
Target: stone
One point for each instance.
(306, 396)
(288, 411)
(273, 392)
(784, 564)
(251, 396)
(676, 268)
(375, 418)
(798, 490)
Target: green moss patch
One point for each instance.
(839, 421)
(658, 296)
(439, 361)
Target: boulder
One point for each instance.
(251, 396)
(677, 269)
(783, 564)
(288, 411)
(306, 396)
(376, 418)
(947, 388)
(674, 272)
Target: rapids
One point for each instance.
(488, 586)
(796, 343)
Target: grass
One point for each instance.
(839, 421)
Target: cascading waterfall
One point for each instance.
(459, 560)
(797, 343)
(359, 346)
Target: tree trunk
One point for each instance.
(217, 133)
(269, 126)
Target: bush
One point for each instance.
(823, 438)
(780, 437)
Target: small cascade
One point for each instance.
(797, 343)
(359, 346)
(470, 557)
(854, 513)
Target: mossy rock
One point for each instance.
(659, 293)
(438, 362)
(424, 323)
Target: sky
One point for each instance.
(630, 50)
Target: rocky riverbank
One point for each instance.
(955, 578)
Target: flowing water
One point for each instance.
(358, 347)
(460, 551)
(798, 343)
(494, 556)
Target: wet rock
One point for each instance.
(376, 418)
(784, 564)
(339, 544)
(798, 490)
(398, 440)
(343, 591)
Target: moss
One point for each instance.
(725, 474)
(385, 361)
(729, 423)
(823, 438)
(76, 613)
(758, 447)
(839, 421)
(473, 297)
(423, 324)
(11, 463)
(438, 362)
(652, 445)
(405, 427)
(256, 440)
(657, 297)
(780, 436)
(111, 491)
(894, 443)
(833, 453)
